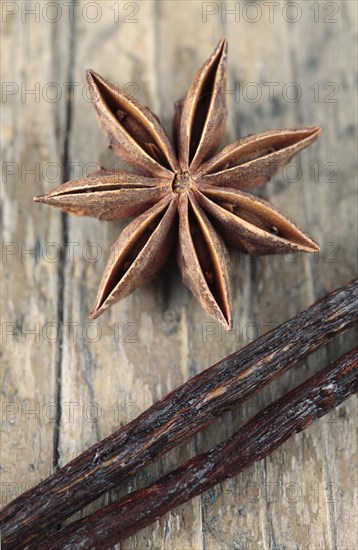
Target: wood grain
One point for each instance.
(86, 383)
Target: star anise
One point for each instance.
(182, 189)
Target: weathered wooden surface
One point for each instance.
(70, 382)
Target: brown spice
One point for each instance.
(184, 190)
(177, 416)
(254, 441)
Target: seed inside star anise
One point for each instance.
(181, 194)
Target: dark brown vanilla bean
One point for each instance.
(255, 440)
(176, 417)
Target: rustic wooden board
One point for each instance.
(82, 379)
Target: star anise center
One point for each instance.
(182, 182)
